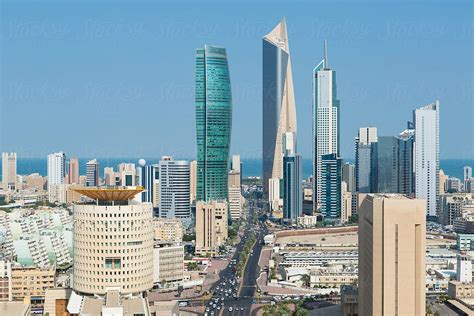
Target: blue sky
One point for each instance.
(114, 79)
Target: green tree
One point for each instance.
(306, 279)
(301, 311)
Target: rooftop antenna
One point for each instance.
(326, 55)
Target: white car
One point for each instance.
(230, 309)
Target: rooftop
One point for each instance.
(109, 193)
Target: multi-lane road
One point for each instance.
(230, 297)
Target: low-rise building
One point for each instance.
(465, 242)
(168, 264)
(460, 290)
(307, 220)
(349, 300)
(321, 278)
(168, 229)
(31, 281)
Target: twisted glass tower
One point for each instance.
(213, 102)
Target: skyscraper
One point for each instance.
(385, 173)
(406, 140)
(278, 102)
(331, 183)
(147, 180)
(363, 158)
(326, 116)
(9, 170)
(213, 101)
(392, 255)
(292, 179)
(73, 171)
(467, 172)
(92, 173)
(426, 120)
(348, 176)
(56, 175)
(174, 188)
(192, 180)
(211, 226)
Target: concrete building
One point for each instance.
(31, 281)
(346, 203)
(73, 171)
(168, 264)
(174, 188)
(56, 176)
(36, 182)
(109, 176)
(235, 203)
(426, 120)
(292, 185)
(349, 177)
(279, 107)
(460, 290)
(349, 301)
(467, 173)
(9, 180)
(451, 206)
(168, 230)
(464, 268)
(465, 242)
(211, 227)
(127, 174)
(113, 242)
(442, 182)
(392, 255)
(363, 158)
(149, 173)
(326, 117)
(92, 173)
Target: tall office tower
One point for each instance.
(192, 180)
(331, 178)
(292, 185)
(392, 231)
(235, 163)
(9, 171)
(73, 171)
(346, 203)
(326, 116)
(56, 175)
(278, 102)
(426, 121)
(115, 252)
(363, 157)
(464, 268)
(92, 173)
(348, 176)
(235, 192)
(406, 183)
(147, 178)
(109, 176)
(127, 174)
(213, 100)
(174, 188)
(211, 227)
(385, 171)
(467, 171)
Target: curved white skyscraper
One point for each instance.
(279, 109)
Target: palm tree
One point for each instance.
(306, 279)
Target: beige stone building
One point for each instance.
(31, 281)
(168, 266)
(113, 242)
(460, 290)
(392, 232)
(35, 181)
(168, 229)
(346, 203)
(211, 227)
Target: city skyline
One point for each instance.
(36, 93)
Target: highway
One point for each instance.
(226, 298)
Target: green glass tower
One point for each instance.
(213, 101)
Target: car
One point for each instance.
(230, 309)
(241, 308)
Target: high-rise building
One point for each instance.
(174, 188)
(56, 176)
(115, 252)
(127, 174)
(279, 108)
(73, 171)
(147, 178)
(464, 268)
(235, 202)
(292, 187)
(467, 172)
(348, 176)
(331, 178)
(235, 163)
(363, 158)
(326, 117)
(109, 176)
(213, 101)
(406, 179)
(192, 180)
(451, 206)
(211, 227)
(385, 171)
(392, 255)
(168, 229)
(9, 171)
(442, 182)
(92, 173)
(426, 120)
(346, 203)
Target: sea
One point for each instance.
(250, 167)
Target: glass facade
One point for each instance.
(213, 103)
(406, 185)
(292, 187)
(331, 177)
(385, 175)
